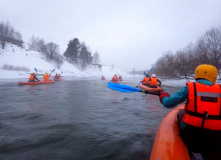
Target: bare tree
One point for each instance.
(165, 65)
(52, 49)
(59, 60)
(32, 44)
(18, 36)
(212, 40)
(96, 58)
(182, 64)
(37, 44)
(4, 33)
(41, 47)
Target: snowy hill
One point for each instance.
(16, 62)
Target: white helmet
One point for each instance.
(154, 75)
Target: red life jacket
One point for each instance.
(203, 108)
(146, 80)
(153, 81)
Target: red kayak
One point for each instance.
(115, 81)
(57, 79)
(35, 83)
(158, 89)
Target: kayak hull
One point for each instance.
(35, 83)
(115, 81)
(57, 79)
(149, 89)
(168, 145)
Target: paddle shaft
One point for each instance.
(125, 88)
(52, 71)
(146, 92)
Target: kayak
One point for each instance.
(158, 89)
(168, 145)
(57, 79)
(35, 83)
(115, 81)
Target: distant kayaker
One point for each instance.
(56, 76)
(59, 76)
(146, 80)
(120, 78)
(154, 81)
(200, 121)
(102, 78)
(46, 77)
(33, 78)
(115, 78)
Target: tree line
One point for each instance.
(9, 35)
(76, 53)
(182, 63)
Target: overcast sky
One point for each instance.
(127, 33)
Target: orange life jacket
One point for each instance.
(31, 77)
(146, 80)
(203, 108)
(46, 77)
(153, 82)
(115, 78)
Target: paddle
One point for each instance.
(36, 70)
(125, 88)
(52, 71)
(146, 75)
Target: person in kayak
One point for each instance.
(115, 78)
(103, 78)
(59, 76)
(33, 78)
(146, 80)
(200, 121)
(46, 77)
(56, 76)
(120, 78)
(154, 81)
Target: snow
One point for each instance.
(19, 57)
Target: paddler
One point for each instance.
(59, 76)
(33, 78)
(146, 81)
(115, 78)
(200, 122)
(46, 77)
(56, 76)
(154, 81)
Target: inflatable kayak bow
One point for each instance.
(35, 83)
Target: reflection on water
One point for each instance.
(77, 119)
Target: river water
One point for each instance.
(77, 119)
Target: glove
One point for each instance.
(162, 95)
